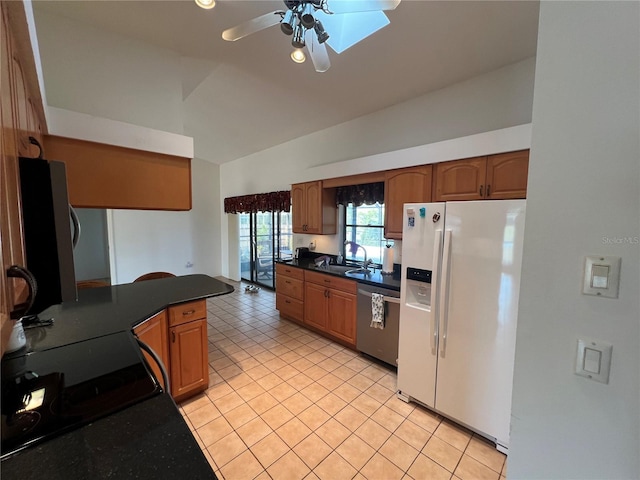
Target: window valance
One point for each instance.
(259, 202)
(364, 194)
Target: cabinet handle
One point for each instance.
(287, 301)
(188, 312)
(481, 187)
(287, 281)
(488, 190)
(327, 281)
(173, 337)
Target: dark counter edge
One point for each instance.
(376, 279)
(105, 310)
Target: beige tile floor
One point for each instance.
(286, 403)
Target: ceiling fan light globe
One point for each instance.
(206, 4)
(298, 56)
(307, 19)
(288, 23)
(298, 37)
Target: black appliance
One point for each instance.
(50, 392)
(47, 231)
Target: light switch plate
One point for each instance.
(601, 276)
(593, 359)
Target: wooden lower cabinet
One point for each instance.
(342, 315)
(153, 332)
(330, 306)
(315, 306)
(178, 335)
(189, 365)
(290, 292)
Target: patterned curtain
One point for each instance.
(260, 202)
(365, 194)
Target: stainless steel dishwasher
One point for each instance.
(380, 344)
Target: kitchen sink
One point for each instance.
(336, 268)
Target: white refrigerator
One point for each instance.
(458, 310)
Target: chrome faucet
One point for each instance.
(354, 247)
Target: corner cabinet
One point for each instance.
(178, 335)
(495, 177)
(314, 208)
(154, 333)
(330, 306)
(188, 349)
(405, 185)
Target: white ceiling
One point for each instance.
(257, 97)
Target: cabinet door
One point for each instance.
(342, 315)
(315, 306)
(507, 175)
(314, 207)
(188, 352)
(298, 207)
(407, 185)
(460, 180)
(153, 332)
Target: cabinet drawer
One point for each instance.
(330, 281)
(291, 287)
(290, 307)
(187, 312)
(289, 271)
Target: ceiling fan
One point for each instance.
(311, 23)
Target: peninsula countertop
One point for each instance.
(106, 310)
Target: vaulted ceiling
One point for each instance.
(267, 99)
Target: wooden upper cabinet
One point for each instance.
(108, 176)
(313, 208)
(460, 180)
(405, 185)
(507, 175)
(496, 177)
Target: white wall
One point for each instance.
(92, 71)
(584, 192)
(492, 101)
(91, 255)
(105, 75)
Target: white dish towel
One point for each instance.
(377, 310)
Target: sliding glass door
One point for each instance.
(264, 238)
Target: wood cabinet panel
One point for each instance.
(106, 176)
(292, 287)
(288, 271)
(507, 175)
(460, 180)
(405, 185)
(342, 315)
(330, 281)
(188, 352)
(315, 305)
(313, 208)
(187, 312)
(154, 333)
(290, 307)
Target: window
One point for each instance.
(364, 225)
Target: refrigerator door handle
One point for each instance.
(443, 303)
(435, 304)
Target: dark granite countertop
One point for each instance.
(375, 278)
(149, 440)
(106, 310)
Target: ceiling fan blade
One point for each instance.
(317, 51)
(251, 26)
(352, 6)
